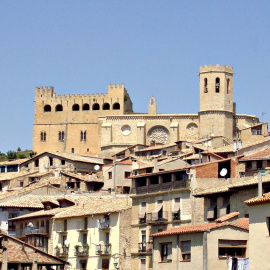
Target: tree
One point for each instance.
(11, 155)
(19, 149)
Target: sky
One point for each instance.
(154, 47)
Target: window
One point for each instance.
(217, 85)
(205, 86)
(233, 248)
(63, 162)
(42, 223)
(43, 136)
(176, 210)
(212, 210)
(106, 106)
(72, 150)
(86, 107)
(61, 135)
(228, 85)
(36, 162)
(185, 250)
(59, 108)
(110, 175)
(87, 150)
(12, 224)
(249, 164)
(116, 106)
(259, 164)
(84, 239)
(152, 101)
(143, 264)
(95, 107)
(268, 225)
(65, 225)
(166, 252)
(51, 161)
(19, 183)
(142, 245)
(225, 208)
(47, 108)
(85, 223)
(75, 107)
(142, 214)
(127, 174)
(83, 135)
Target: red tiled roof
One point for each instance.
(264, 154)
(123, 162)
(264, 199)
(241, 223)
(227, 217)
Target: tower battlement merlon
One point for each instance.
(116, 86)
(217, 68)
(46, 91)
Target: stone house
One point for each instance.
(16, 254)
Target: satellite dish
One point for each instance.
(97, 167)
(223, 172)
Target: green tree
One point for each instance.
(11, 155)
(19, 149)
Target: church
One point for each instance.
(103, 124)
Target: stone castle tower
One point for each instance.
(216, 115)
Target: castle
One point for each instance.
(104, 124)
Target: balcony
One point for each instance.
(81, 251)
(162, 187)
(27, 230)
(154, 218)
(105, 225)
(61, 252)
(145, 247)
(103, 249)
(176, 216)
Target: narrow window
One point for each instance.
(72, 150)
(85, 223)
(228, 85)
(217, 85)
(106, 106)
(83, 135)
(36, 162)
(43, 136)
(116, 106)
(186, 250)
(205, 85)
(259, 164)
(75, 107)
(86, 107)
(166, 252)
(110, 175)
(63, 162)
(268, 225)
(249, 164)
(176, 210)
(152, 101)
(61, 135)
(212, 210)
(59, 108)
(47, 108)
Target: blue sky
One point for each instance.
(154, 47)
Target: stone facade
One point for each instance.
(102, 125)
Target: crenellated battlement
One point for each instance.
(44, 92)
(116, 86)
(217, 68)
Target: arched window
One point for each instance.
(217, 85)
(106, 106)
(86, 107)
(43, 136)
(228, 85)
(116, 106)
(47, 108)
(75, 107)
(59, 108)
(95, 107)
(205, 85)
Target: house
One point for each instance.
(94, 235)
(16, 254)
(259, 231)
(201, 246)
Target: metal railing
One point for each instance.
(61, 251)
(145, 247)
(105, 224)
(154, 218)
(81, 250)
(162, 187)
(25, 231)
(103, 249)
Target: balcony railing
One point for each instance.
(103, 249)
(105, 225)
(81, 251)
(25, 231)
(145, 247)
(61, 252)
(162, 187)
(157, 218)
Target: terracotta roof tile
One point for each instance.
(257, 200)
(264, 154)
(240, 223)
(227, 217)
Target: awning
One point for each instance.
(157, 209)
(211, 210)
(142, 211)
(176, 207)
(223, 208)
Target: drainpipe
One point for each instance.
(259, 184)
(205, 251)
(113, 179)
(193, 199)
(177, 252)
